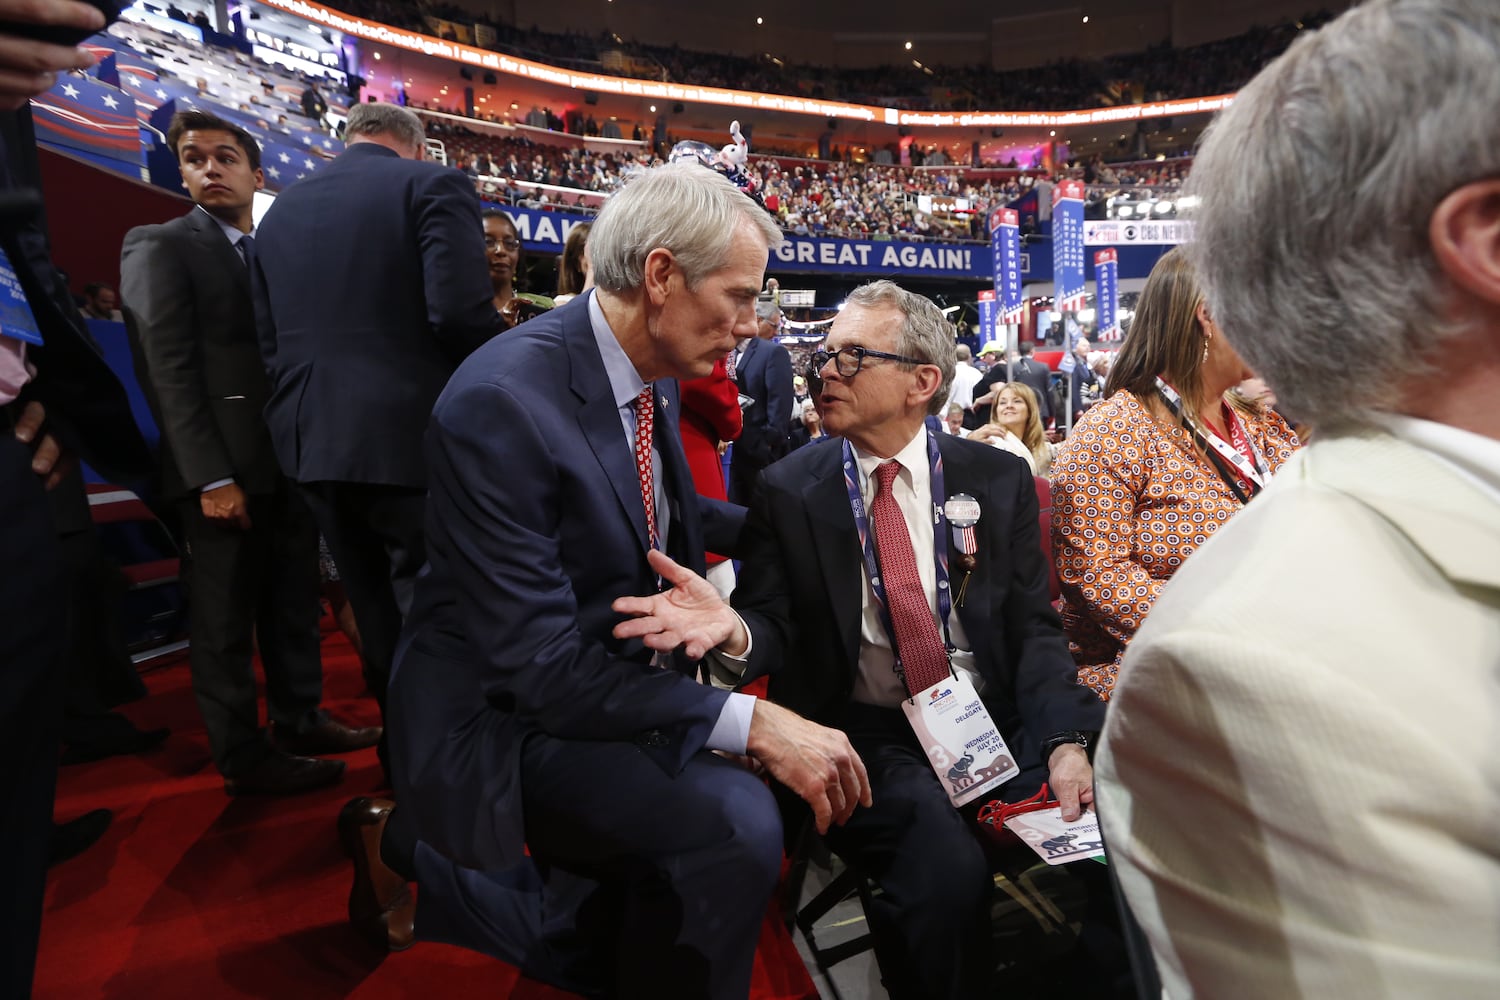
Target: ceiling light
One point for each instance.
(1085, 19)
(760, 20)
(653, 109)
(908, 46)
(377, 56)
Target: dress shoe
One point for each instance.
(129, 741)
(70, 839)
(381, 906)
(282, 774)
(328, 736)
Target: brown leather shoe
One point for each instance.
(282, 774)
(328, 736)
(381, 906)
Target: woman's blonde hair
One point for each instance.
(1034, 438)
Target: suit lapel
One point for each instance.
(960, 476)
(836, 544)
(599, 420)
(208, 234)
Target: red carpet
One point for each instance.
(194, 895)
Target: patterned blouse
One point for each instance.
(1131, 499)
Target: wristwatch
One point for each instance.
(1081, 738)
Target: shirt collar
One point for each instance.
(1473, 456)
(232, 233)
(913, 459)
(624, 381)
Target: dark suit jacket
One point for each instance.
(803, 575)
(1081, 376)
(86, 405)
(371, 286)
(764, 372)
(534, 526)
(192, 332)
(1031, 372)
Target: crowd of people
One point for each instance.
(807, 197)
(1270, 640)
(1163, 72)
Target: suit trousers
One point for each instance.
(248, 587)
(639, 884)
(376, 537)
(931, 922)
(32, 616)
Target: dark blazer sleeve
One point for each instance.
(1047, 691)
(778, 400)
(158, 294)
(495, 532)
(723, 524)
(450, 233)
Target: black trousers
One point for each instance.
(931, 922)
(32, 622)
(248, 586)
(375, 535)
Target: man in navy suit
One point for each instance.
(810, 615)
(520, 720)
(372, 287)
(763, 372)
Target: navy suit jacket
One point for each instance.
(803, 576)
(764, 372)
(371, 286)
(534, 526)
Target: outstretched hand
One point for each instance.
(690, 614)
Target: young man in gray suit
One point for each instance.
(252, 545)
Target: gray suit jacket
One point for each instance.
(191, 323)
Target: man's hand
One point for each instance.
(1071, 779)
(691, 615)
(226, 504)
(812, 760)
(47, 457)
(28, 67)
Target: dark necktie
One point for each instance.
(919, 645)
(246, 247)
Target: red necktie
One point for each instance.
(918, 642)
(731, 362)
(645, 423)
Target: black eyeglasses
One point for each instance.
(847, 361)
(491, 243)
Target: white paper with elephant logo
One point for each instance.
(1055, 840)
(965, 749)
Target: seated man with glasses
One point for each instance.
(888, 569)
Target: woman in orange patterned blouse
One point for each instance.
(1153, 470)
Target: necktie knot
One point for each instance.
(886, 473)
(645, 403)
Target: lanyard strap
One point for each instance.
(872, 560)
(1243, 456)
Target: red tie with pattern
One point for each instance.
(645, 422)
(918, 642)
(731, 363)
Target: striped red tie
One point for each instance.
(919, 645)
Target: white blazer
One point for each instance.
(1300, 774)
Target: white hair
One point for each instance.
(1317, 187)
(682, 207)
(924, 331)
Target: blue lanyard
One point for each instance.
(872, 561)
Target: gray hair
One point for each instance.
(765, 309)
(1317, 186)
(962, 352)
(681, 207)
(924, 334)
(399, 123)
